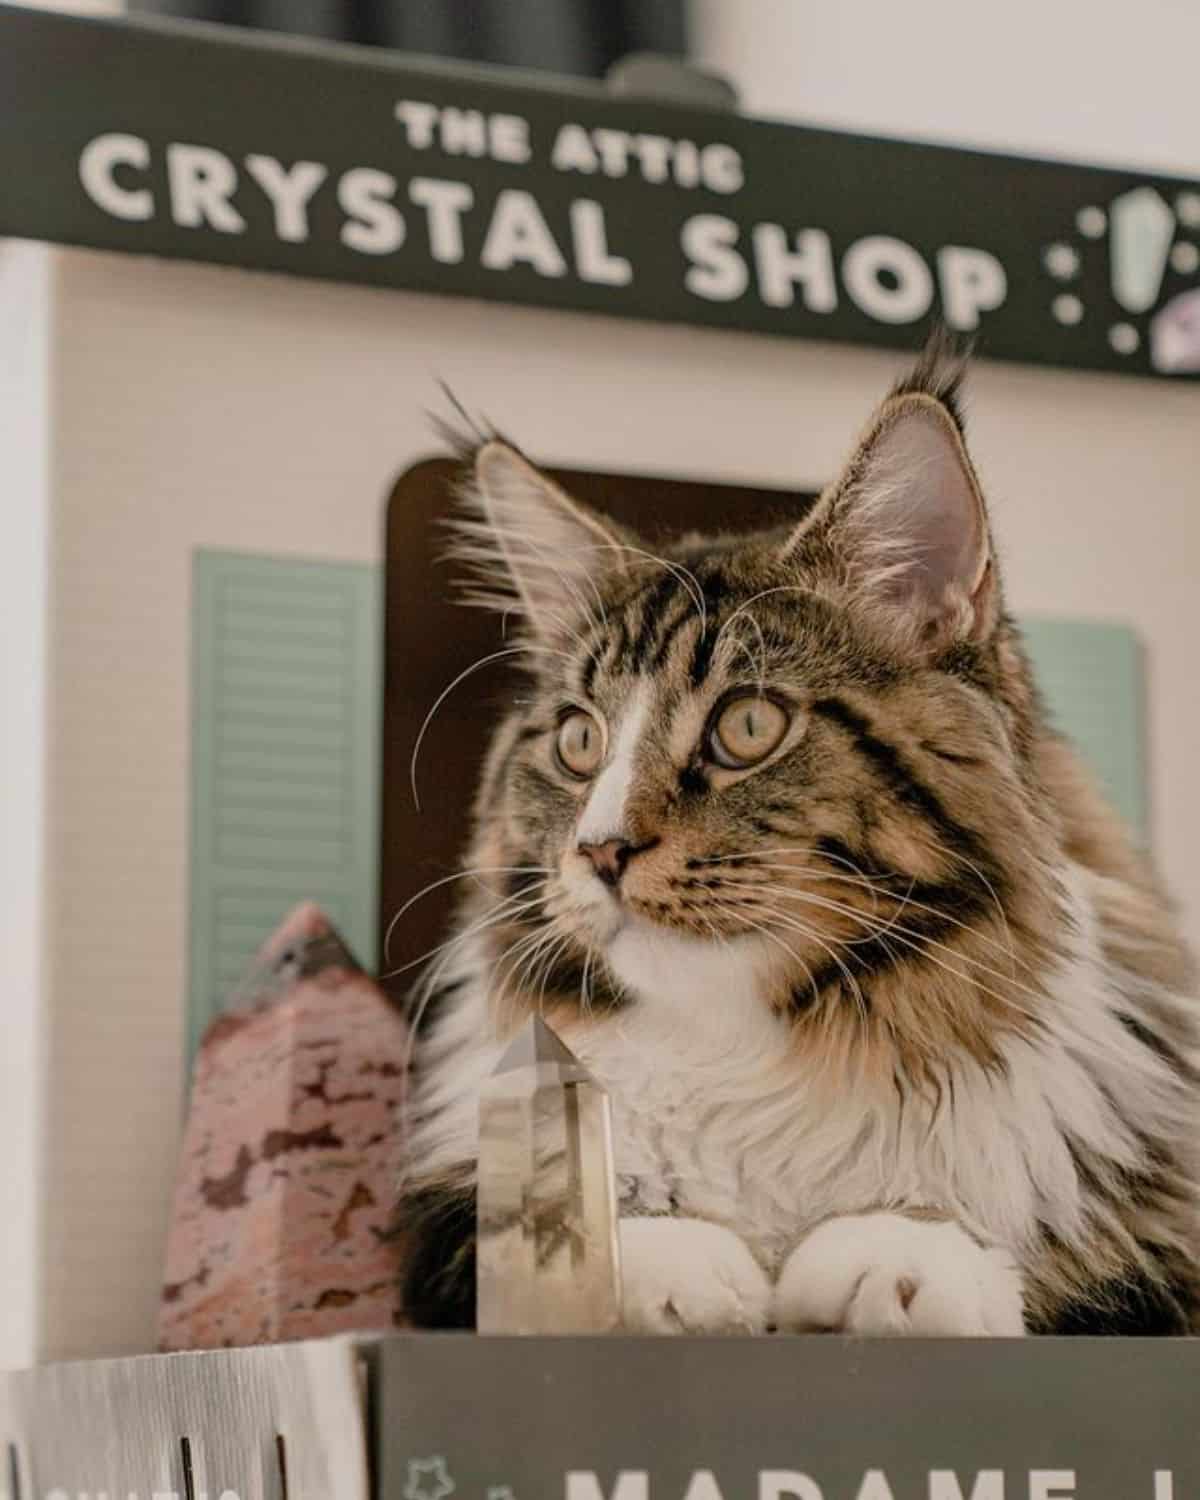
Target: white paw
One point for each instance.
(883, 1273)
(689, 1276)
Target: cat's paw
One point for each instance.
(883, 1273)
(689, 1276)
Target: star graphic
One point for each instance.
(428, 1479)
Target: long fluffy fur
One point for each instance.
(912, 963)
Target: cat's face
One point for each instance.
(786, 760)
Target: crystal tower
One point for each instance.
(548, 1259)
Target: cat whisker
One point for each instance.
(828, 904)
(585, 997)
(789, 921)
(474, 871)
(991, 890)
(907, 901)
(547, 968)
(758, 860)
(423, 994)
(510, 910)
(740, 881)
(920, 943)
(512, 963)
(743, 920)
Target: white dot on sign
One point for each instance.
(1185, 258)
(1187, 206)
(1062, 261)
(1091, 222)
(1067, 309)
(1123, 337)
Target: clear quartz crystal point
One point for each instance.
(548, 1260)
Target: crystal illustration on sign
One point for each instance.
(1143, 227)
(1147, 245)
(548, 1259)
(1175, 335)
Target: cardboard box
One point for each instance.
(427, 1417)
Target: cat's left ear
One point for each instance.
(906, 526)
(532, 546)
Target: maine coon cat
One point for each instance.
(898, 1030)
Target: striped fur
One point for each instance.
(908, 965)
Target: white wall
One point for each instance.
(26, 339)
(196, 406)
(1092, 82)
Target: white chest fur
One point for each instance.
(718, 1115)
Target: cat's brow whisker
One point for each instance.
(686, 577)
(782, 588)
(759, 668)
(749, 655)
(476, 666)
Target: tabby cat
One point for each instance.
(898, 1031)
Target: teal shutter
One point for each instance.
(285, 747)
(1092, 675)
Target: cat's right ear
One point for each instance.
(531, 547)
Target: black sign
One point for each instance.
(190, 141)
(785, 1419)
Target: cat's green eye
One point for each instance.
(746, 730)
(580, 744)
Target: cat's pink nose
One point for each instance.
(608, 859)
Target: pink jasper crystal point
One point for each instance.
(291, 1154)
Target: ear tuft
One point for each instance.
(529, 546)
(939, 373)
(905, 529)
(459, 429)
